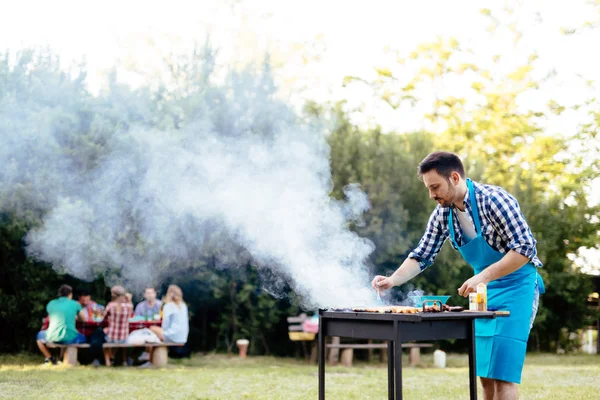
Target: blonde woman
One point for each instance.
(175, 325)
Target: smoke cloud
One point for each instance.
(239, 176)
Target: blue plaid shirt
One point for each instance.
(503, 226)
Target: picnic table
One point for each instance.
(89, 326)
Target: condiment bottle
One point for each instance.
(472, 301)
(482, 297)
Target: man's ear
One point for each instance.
(455, 177)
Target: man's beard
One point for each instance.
(447, 200)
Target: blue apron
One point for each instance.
(501, 343)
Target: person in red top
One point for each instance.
(116, 317)
(87, 304)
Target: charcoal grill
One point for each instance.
(396, 329)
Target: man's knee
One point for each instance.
(506, 390)
(487, 382)
(505, 386)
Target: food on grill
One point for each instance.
(388, 309)
(403, 309)
(445, 307)
(432, 308)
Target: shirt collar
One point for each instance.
(466, 200)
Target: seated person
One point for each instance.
(148, 309)
(150, 306)
(87, 304)
(175, 323)
(62, 313)
(116, 316)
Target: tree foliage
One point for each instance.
(501, 143)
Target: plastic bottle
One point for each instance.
(473, 302)
(482, 297)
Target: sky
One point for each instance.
(339, 38)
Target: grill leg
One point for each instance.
(321, 360)
(398, 361)
(472, 360)
(390, 350)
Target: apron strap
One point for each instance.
(474, 207)
(451, 229)
(475, 215)
(540, 283)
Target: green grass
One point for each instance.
(222, 377)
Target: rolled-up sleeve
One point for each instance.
(509, 222)
(431, 242)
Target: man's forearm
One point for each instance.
(511, 262)
(408, 270)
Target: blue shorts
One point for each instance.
(41, 336)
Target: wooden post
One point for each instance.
(598, 331)
(347, 355)
(414, 356)
(70, 356)
(160, 356)
(370, 351)
(384, 354)
(313, 353)
(334, 353)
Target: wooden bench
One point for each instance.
(296, 334)
(160, 355)
(348, 351)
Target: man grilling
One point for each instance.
(485, 224)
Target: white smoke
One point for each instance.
(243, 175)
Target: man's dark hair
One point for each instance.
(64, 290)
(444, 162)
(82, 293)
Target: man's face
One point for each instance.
(150, 295)
(84, 300)
(440, 189)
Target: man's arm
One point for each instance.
(408, 270)
(507, 218)
(82, 315)
(420, 258)
(511, 262)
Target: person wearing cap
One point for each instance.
(485, 224)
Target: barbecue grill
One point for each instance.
(396, 329)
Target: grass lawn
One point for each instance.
(222, 377)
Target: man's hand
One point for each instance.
(408, 270)
(470, 286)
(82, 315)
(382, 283)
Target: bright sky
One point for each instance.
(353, 35)
(341, 37)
